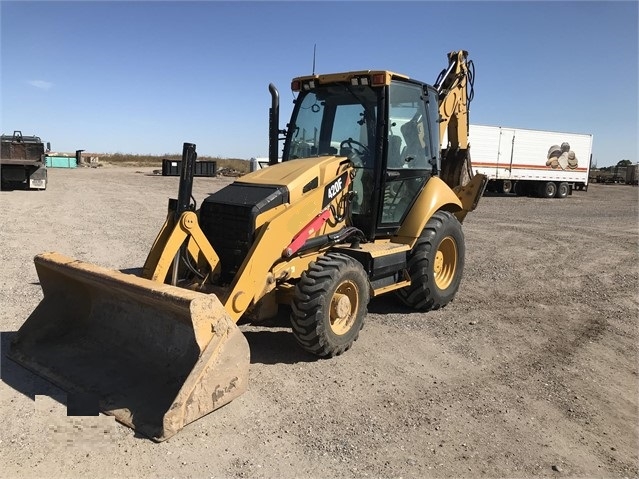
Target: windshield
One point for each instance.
(334, 120)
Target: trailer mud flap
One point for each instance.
(155, 356)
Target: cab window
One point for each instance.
(408, 141)
(408, 156)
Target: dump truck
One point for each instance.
(358, 207)
(546, 164)
(22, 162)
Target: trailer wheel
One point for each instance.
(506, 186)
(329, 305)
(435, 264)
(562, 190)
(547, 189)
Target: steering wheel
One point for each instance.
(363, 151)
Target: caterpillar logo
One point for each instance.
(334, 188)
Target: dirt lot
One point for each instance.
(530, 372)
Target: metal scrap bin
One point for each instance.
(202, 168)
(61, 162)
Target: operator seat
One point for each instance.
(413, 132)
(394, 151)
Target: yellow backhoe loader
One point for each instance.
(365, 202)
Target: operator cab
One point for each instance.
(385, 123)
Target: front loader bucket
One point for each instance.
(155, 356)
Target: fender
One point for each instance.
(435, 196)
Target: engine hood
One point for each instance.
(298, 176)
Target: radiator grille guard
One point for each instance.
(227, 218)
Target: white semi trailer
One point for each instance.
(547, 164)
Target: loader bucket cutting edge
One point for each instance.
(155, 356)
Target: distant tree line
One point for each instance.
(619, 163)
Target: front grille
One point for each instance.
(227, 219)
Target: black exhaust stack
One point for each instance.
(273, 125)
(186, 179)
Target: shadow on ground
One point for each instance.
(20, 378)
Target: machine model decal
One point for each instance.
(333, 189)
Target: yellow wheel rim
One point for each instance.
(445, 266)
(344, 305)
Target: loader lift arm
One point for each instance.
(171, 251)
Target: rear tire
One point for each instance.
(562, 190)
(547, 189)
(435, 264)
(329, 305)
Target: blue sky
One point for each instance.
(138, 77)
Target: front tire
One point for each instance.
(329, 305)
(435, 264)
(506, 187)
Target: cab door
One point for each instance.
(408, 153)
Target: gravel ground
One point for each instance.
(530, 372)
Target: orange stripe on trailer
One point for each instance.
(524, 167)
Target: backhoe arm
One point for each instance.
(452, 86)
(455, 88)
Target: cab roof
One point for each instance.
(383, 77)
